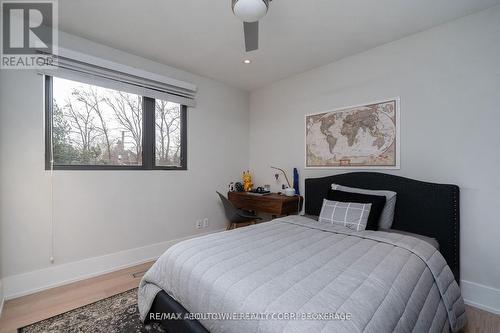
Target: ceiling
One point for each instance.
(205, 38)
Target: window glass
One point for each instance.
(167, 133)
(95, 126)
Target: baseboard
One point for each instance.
(31, 282)
(481, 296)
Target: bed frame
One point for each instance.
(424, 208)
(427, 209)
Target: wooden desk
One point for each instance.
(274, 204)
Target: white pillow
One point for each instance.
(387, 215)
(352, 215)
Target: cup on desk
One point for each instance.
(289, 192)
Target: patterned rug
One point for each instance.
(115, 314)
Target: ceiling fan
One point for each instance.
(250, 12)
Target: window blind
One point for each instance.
(120, 80)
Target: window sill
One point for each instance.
(112, 168)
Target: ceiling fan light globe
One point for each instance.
(250, 10)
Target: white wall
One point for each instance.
(1, 297)
(448, 79)
(103, 212)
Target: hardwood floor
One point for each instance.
(481, 321)
(29, 309)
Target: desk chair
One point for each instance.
(235, 215)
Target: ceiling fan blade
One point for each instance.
(251, 30)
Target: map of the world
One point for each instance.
(361, 136)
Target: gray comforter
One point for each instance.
(367, 281)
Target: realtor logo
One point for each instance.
(29, 34)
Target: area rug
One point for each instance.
(115, 314)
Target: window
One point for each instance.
(168, 133)
(91, 127)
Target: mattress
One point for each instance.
(295, 274)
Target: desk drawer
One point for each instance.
(262, 204)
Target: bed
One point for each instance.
(282, 274)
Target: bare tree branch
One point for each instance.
(91, 99)
(128, 112)
(168, 126)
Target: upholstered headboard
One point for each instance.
(424, 208)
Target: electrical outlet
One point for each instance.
(205, 222)
(199, 224)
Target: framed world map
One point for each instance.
(356, 137)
